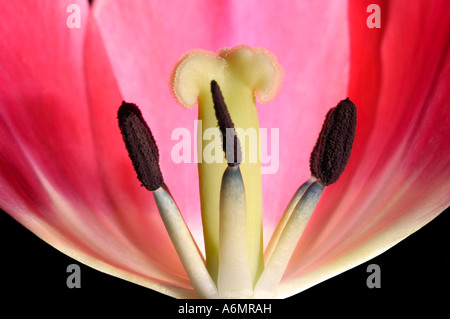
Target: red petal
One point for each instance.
(43, 111)
(398, 178)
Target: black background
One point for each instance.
(414, 275)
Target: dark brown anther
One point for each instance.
(141, 146)
(230, 141)
(334, 145)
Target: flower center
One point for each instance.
(225, 86)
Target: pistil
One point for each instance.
(244, 74)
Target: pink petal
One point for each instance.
(398, 177)
(36, 82)
(56, 174)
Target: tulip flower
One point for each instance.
(66, 175)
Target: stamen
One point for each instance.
(334, 145)
(144, 155)
(328, 160)
(286, 215)
(232, 148)
(141, 146)
(234, 276)
(276, 265)
(187, 250)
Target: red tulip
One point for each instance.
(66, 175)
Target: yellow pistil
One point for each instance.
(243, 74)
